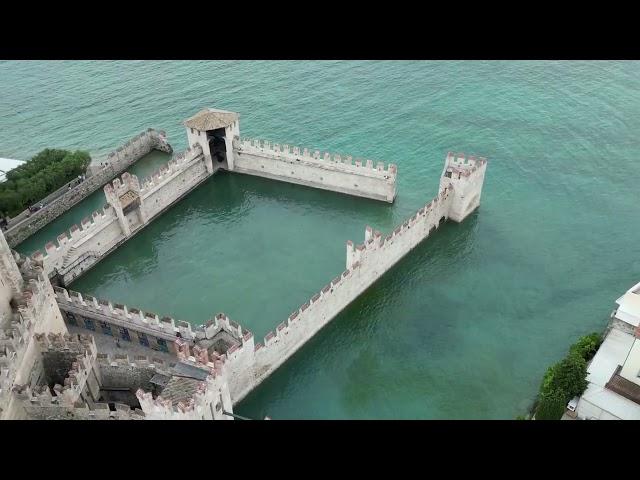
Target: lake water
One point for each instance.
(464, 326)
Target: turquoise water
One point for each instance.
(143, 168)
(466, 325)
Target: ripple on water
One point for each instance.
(462, 328)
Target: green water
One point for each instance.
(463, 327)
(143, 168)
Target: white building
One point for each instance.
(7, 164)
(614, 373)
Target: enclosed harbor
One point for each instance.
(504, 291)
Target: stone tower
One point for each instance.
(124, 196)
(27, 308)
(466, 176)
(214, 130)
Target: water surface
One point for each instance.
(466, 325)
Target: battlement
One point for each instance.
(119, 187)
(134, 318)
(375, 240)
(318, 158)
(138, 145)
(208, 331)
(60, 201)
(466, 176)
(461, 166)
(365, 263)
(30, 310)
(208, 400)
(125, 360)
(85, 350)
(41, 404)
(30, 304)
(81, 247)
(56, 249)
(176, 164)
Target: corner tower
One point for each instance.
(466, 177)
(214, 130)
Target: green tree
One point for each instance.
(587, 346)
(551, 406)
(47, 171)
(570, 377)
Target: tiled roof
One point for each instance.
(180, 389)
(209, 119)
(624, 387)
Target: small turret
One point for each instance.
(466, 177)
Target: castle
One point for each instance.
(47, 373)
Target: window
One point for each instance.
(142, 338)
(162, 344)
(124, 334)
(106, 328)
(71, 318)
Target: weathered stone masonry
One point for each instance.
(116, 162)
(228, 362)
(326, 171)
(246, 363)
(131, 205)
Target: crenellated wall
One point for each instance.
(366, 263)
(467, 174)
(127, 323)
(174, 180)
(209, 401)
(132, 204)
(33, 310)
(116, 162)
(85, 372)
(314, 169)
(76, 251)
(246, 363)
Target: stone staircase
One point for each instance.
(68, 256)
(69, 262)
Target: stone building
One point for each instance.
(48, 374)
(613, 392)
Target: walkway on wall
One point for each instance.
(143, 167)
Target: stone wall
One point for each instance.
(82, 247)
(122, 371)
(33, 310)
(116, 162)
(126, 323)
(246, 364)
(209, 402)
(325, 171)
(366, 263)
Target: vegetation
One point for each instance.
(566, 379)
(35, 179)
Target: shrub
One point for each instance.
(566, 379)
(551, 406)
(587, 346)
(35, 179)
(570, 377)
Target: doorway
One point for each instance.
(217, 146)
